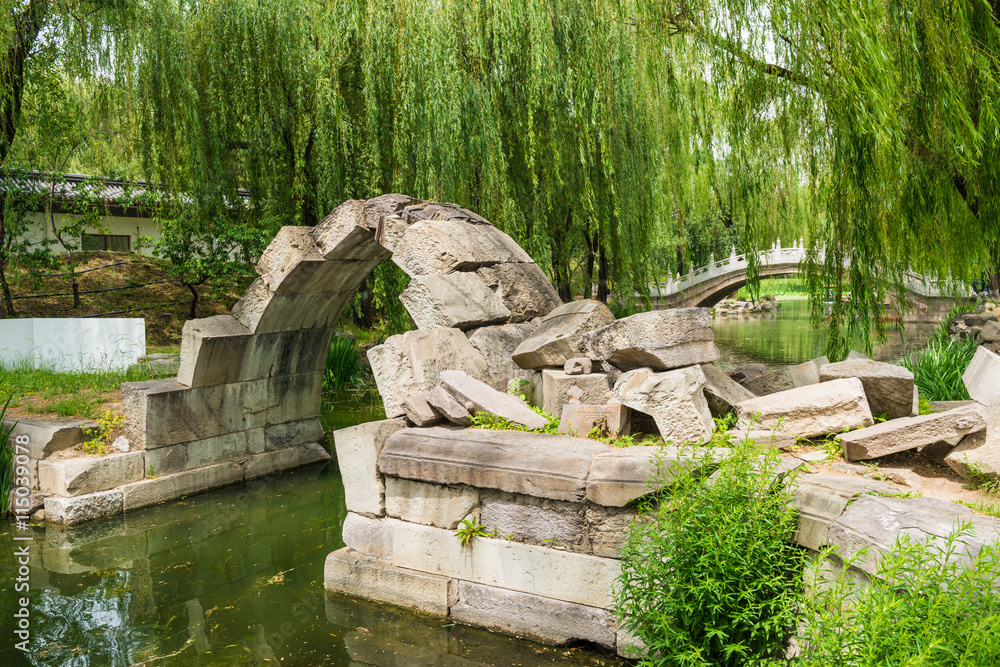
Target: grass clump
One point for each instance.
(711, 575)
(343, 365)
(927, 607)
(496, 423)
(938, 368)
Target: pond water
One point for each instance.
(788, 337)
(235, 576)
(230, 577)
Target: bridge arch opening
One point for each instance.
(249, 387)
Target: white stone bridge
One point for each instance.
(707, 285)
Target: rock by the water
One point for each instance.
(419, 411)
(899, 435)
(888, 387)
(810, 411)
(982, 377)
(673, 398)
(497, 344)
(747, 372)
(658, 339)
(789, 377)
(558, 336)
(443, 402)
(412, 362)
(722, 392)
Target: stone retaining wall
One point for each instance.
(557, 511)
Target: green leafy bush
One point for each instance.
(928, 608)
(712, 576)
(6, 460)
(343, 365)
(937, 369)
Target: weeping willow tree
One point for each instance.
(532, 114)
(876, 120)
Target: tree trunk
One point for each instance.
(602, 273)
(194, 300)
(7, 309)
(588, 277)
(560, 260)
(27, 25)
(680, 261)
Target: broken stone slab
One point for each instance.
(358, 449)
(821, 499)
(619, 476)
(419, 411)
(578, 366)
(351, 573)
(522, 287)
(722, 392)
(809, 411)
(532, 464)
(551, 573)
(412, 362)
(487, 399)
(982, 377)
(349, 231)
(789, 377)
(556, 387)
(657, 339)
(442, 246)
(441, 400)
(532, 616)
(875, 523)
(558, 336)
(429, 504)
(460, 300)
(938, 451)
(579, 419)
(990, 332)
(899, 435)
(497, 344)
(674, 399)
(888, 387)
(365, 535)
(747, 372)
(977, 455)
(78, 509)
(87, 474)
(48, 436)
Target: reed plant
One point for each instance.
(343, 365)
(710, 574)
(938, 368)
(928, 606)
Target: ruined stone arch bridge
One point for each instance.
(709, 284)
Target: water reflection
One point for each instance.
(231, 577)
(787, 337)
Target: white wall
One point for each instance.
(39, 228)
(73, 344)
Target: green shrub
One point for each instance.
(6, 460)
(343, 365)
(928, 608)
(937, 369)
(712, 576)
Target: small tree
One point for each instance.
(204, 249)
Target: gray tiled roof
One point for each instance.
(109, 190)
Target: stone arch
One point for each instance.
(248, 390)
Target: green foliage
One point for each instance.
(108, 426)
(926, 607)
(470, 529)
(343, 365)
(925, 406)
(496, 423)
(938, 368)
(983, 507)
(776, 287)
(6, 459)
(711, 576)
(978, 478)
